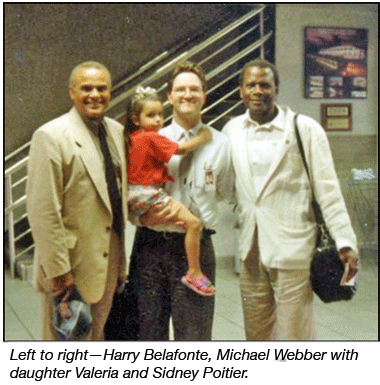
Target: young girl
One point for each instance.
(147, 154)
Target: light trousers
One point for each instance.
(99, 310)
(277, 303)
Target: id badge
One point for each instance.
(209, 180)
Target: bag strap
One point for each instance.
(300, 146)
(314, 203)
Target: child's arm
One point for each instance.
(204, 135)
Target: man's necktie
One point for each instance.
(113, 190)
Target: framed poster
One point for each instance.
(336, 63)
(337, 116)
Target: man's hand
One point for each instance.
(121, 282)
(161, 214)
(349, 256)
(62, 284)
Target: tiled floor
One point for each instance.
(353, 320)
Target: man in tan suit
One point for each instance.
(278, 228)
(77, 223)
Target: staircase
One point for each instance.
(221, 55)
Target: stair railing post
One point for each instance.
(262, 51)
(10, 223)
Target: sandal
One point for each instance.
(199, 285)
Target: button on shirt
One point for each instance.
(210, 177)
(262, 144)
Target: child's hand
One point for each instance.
(204, 134)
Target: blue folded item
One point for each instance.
(72, 316)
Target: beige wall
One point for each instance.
(354, 149)
(290, 22)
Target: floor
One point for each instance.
(353, 320)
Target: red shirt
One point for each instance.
(147, 156)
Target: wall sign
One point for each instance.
(336, 63)
(337, 116)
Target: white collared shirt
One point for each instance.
(262, 144)
(210, 177)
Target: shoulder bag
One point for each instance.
(326, 269)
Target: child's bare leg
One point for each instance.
(192, 245)
(193, 228)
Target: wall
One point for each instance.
(43, 42)
(290, 21)
(354, 149)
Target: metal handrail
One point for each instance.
(225, 80)
(16, 152)
(18, 166)
(141, 70)
(168, 66)
(232, 42)
(20, 181)
(226, 112)
(25, 251)
(166, 62)
(226, 96)
(15, 205)
(23, 234)
(21, 218)
(187, 54)
(166, 53)
(163, 69)
(209, 75)
(239, 56)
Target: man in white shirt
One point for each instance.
(158, 258)
(278, 228)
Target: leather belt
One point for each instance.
(172, 235)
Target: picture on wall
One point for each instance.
(337, 116)
(336, 63)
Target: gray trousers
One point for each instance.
(158, 262)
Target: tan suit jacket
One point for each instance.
(68, 204)
(281, 210)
